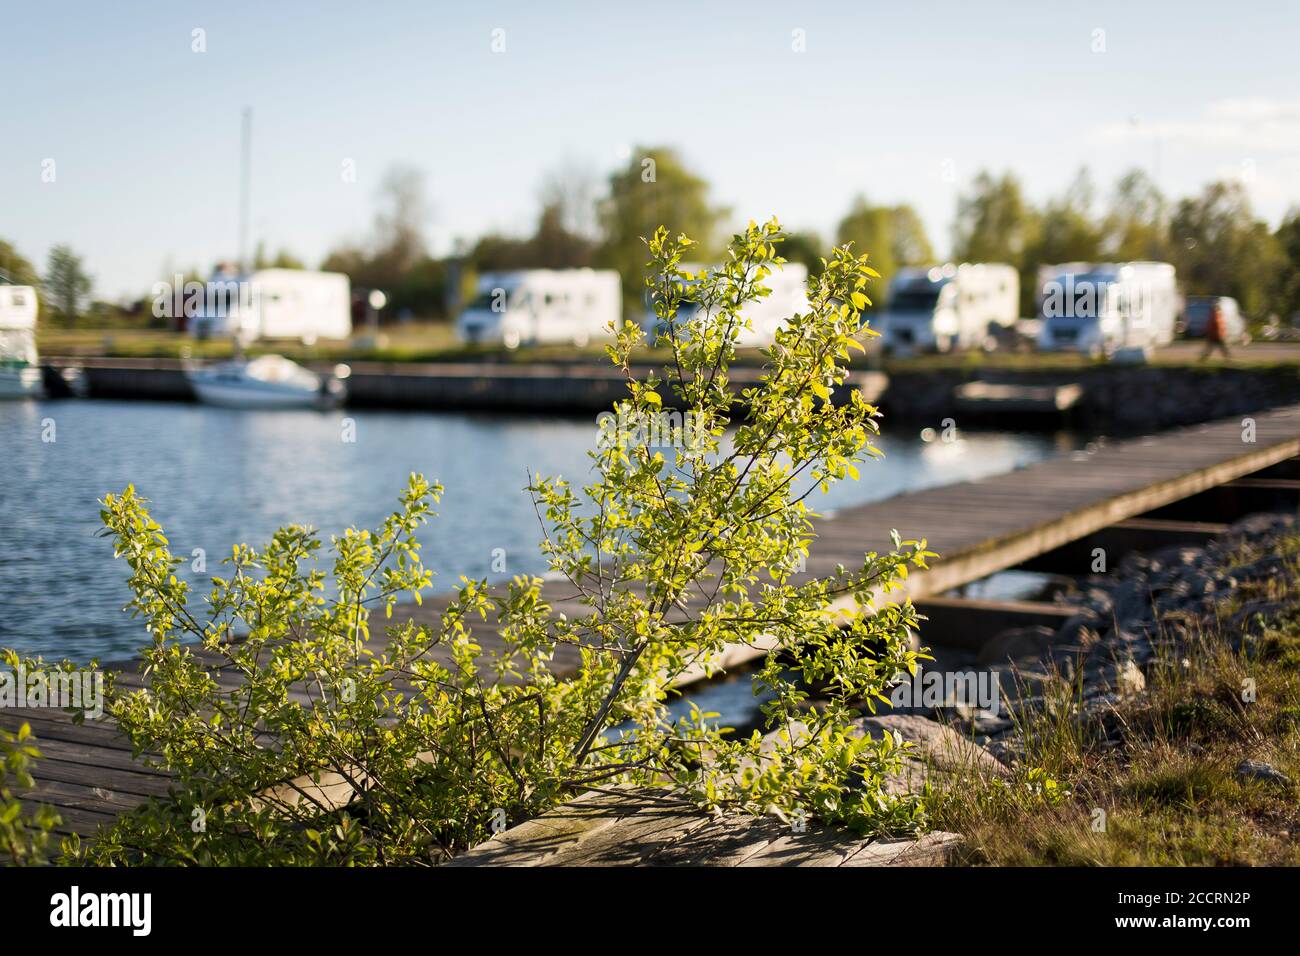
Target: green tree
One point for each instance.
(554, 245)
(994, 221)
(1137, 222)
(400, 222)
(1066, 230)
(910, 245)
(1286, 295)
(805, 248)
(330, 749)
(14, 268)
(894, 235)
(66, 284)
(1220, 248)
(654, 188)
(870, 229)
(396, 260)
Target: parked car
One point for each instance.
(1196, 315)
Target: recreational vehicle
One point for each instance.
(20, 375)
(762, 317)
(949, 307)
(1102, 308)
(275, 304)
(542, 306)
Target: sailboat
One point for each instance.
(20, 373)
(268, 381)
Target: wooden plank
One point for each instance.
(642, 827)
(536, 842)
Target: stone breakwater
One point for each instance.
(1115, 399)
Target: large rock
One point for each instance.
(936, 743)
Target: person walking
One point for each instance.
(1216, 333)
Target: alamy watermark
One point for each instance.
(1073, 297)
(172, 300)
(53, 688)
(980, 691)
(665, 429)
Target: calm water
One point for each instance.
(217, 476)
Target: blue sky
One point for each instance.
(904, 101)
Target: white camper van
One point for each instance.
(1101, 308)
(20, 375)
(789, 285)
(541, 306)
(276, 304)
(949, 307)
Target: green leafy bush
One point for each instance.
(294, 737)
(24, 837)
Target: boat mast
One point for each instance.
(245, 140)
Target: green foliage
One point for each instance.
(654, 187)
(316, 744)
(1286, 295)
(994, 223)
(14, 268)
(66, 284)
(1221, 249)
(895, 232)
(24, 837)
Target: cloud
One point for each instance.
(1242, 126)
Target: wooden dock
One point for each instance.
(638, 827)
(979, 527)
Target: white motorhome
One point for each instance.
(1101, 308)
(763, 317)
(542, 306)
(20, 375)
(275, 304)
(953, 306)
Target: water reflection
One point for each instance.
(217, 476)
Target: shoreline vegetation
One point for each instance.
(1190, 759)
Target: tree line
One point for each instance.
(1214, 239)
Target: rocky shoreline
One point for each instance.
(1146, 609)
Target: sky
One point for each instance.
(122, 139)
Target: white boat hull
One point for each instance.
(270, 381)
(255, 396)
(22, 382)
